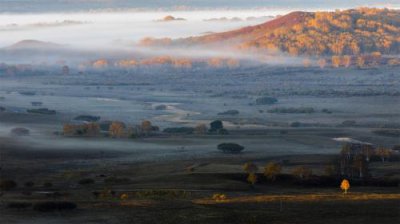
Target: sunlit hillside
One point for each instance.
(349, 32)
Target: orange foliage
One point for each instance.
(101, 63)
(345, 185)
(117, 129)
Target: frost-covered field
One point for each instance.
(368, 97)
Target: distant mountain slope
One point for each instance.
(248, 33)
(34, 44)
(349, 32)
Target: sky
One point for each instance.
(40, 6)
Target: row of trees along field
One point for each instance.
(352, 163)
(114, 129)
(118, 129)
(176, 62)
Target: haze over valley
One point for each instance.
(199, 111)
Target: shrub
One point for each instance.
(291, 110)
(6, 185)
(266, 100)
(36, 103)
(230, 147)
(160, 107)
(229, 112)
(327, 111)
(124, 196)
(86, 181)
(295, 124)
(219, 197)
(51, 206)
(87, 118)
(41, 111)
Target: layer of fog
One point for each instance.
(107, 29)
(90, 36)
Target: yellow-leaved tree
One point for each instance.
(271, 170)
(252, 179)
(345, 185)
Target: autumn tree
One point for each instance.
(252, 178)
(89, 129)
(335, 61)
(69, 129)
(92, 129)
(117, 129)
(182, 63)
(322, 63)
(302, 172)
(200, 129)
(360, 61)
(101, 63)
(232, 63)
(251, 169)
(345, 186)
(346, 61)
(127, 63)
(394, 62)
(383, 153)
(272, 170)
(146, 126)
(215, 62)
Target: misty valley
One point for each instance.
(291, 118)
